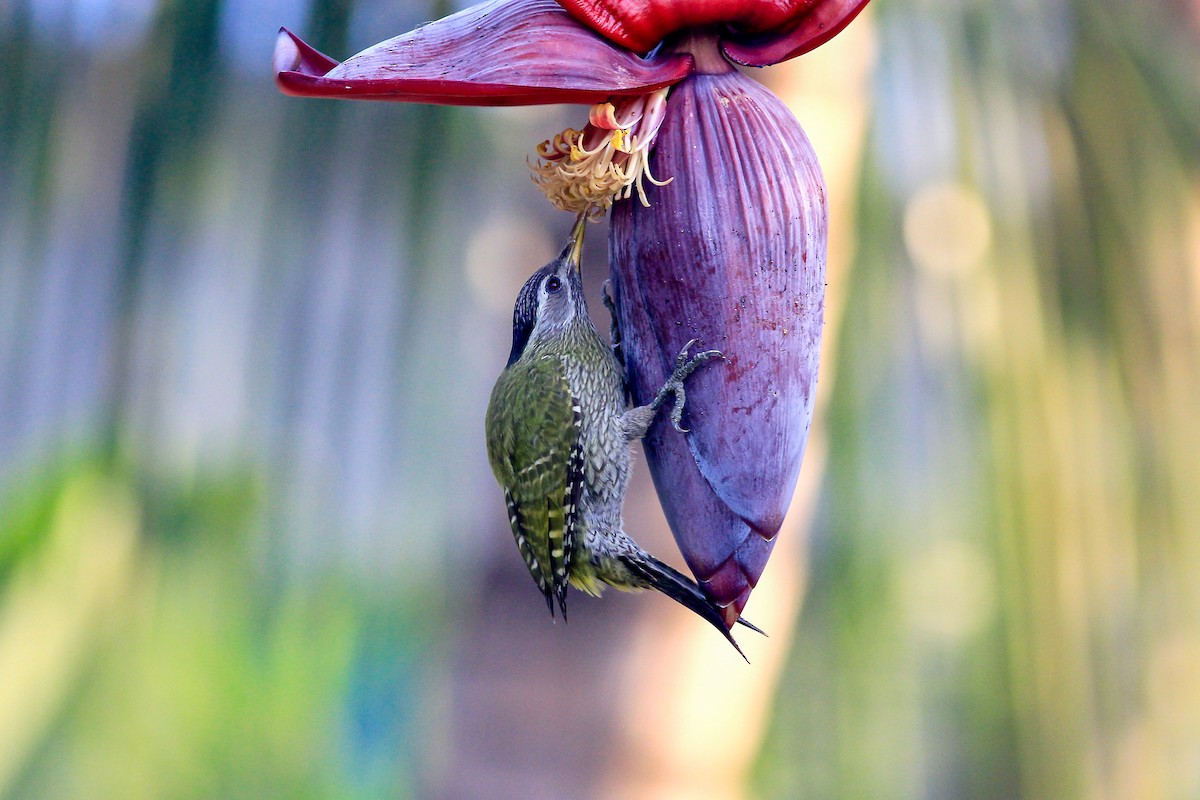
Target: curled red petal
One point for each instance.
(641, 24)
(732, 253)
(505, 52)
(813, 29)
(293, 54)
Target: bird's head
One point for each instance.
(552, 299)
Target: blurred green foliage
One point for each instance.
(149, 652)
(1005, 599)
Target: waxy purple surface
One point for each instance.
(731, 252)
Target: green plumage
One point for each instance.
(532, 431)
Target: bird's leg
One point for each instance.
(684, 366)
(636, 421)
(614, 337)
(614, 328)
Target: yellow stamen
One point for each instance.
(587, 181)
(619, 137)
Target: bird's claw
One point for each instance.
(614, 327)
(681, 359)
(684, 367)
(614, 335)
(606, 295)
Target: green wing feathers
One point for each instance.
(533, 425)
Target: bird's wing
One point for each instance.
(534, 425)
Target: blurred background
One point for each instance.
(249, 542)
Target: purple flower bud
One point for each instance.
(732, 253)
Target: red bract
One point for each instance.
(641, 25)
(724, 241)
(754, 32)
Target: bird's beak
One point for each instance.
(574, 249)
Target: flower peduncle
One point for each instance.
(704, 46)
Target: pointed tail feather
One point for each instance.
(752, 626)
(679, 576)
(684, 591)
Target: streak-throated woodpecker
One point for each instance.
(558, 438)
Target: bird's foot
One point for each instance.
(684, 367)
(614, 328)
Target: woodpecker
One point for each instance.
(558, 437)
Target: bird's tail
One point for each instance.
(684, 591)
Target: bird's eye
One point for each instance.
(553, 284)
